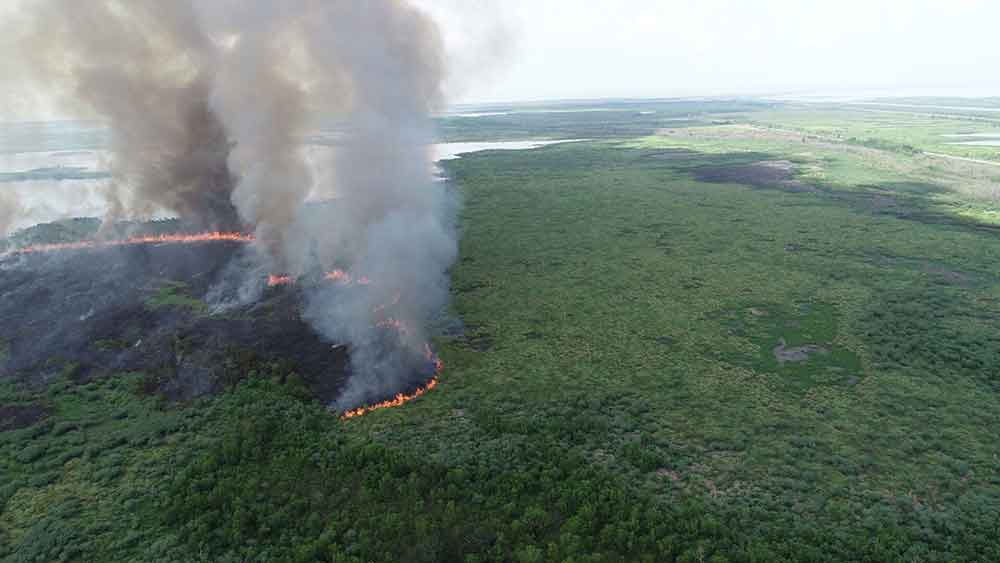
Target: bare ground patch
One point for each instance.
(784, 353)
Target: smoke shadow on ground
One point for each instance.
(911, 201)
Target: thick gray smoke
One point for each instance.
(209, 103)
(146, 67)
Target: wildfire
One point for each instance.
(214, 236)
(338, 276)
(274, 280)
(342, 277)
(402, 398)
(396, 401)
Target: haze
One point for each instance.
(650, 48)
(570, 49)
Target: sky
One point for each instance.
(516, 50)
(556, 49)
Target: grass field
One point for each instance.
(761, 336)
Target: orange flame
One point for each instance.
(402, 398)
(338, 276)
(274, 280)
(396, 401)
(214, 236)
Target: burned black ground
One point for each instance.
(96, 312)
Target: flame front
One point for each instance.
(396, 401)
(213, 236)
(402, 398)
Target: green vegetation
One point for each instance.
(588, 121)
(171, 294)
(906, 129)
(726, 343)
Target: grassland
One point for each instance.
(755, 340)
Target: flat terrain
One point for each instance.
(716, 332)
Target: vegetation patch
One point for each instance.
(173, 294)
(797, 342)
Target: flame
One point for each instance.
(274, 280)
(213, 236)
(396, 401)
(402, 398)
(338, 276)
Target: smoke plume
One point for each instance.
(10, 208)
(146, 67)
(209, 104)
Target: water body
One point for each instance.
(972, 135)
(477, 114)
(540, 111)
(986, 143)
(448, 151)
(61, 180)
(929, 106)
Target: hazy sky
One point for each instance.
(595, 48)
(503, 50)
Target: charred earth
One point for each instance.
(156, 308)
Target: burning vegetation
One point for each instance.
(124, 316)
(214, 236)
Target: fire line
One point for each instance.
(214, 236)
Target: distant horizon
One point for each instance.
(790, 96)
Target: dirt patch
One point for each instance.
(13, 417)
(784, 353)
